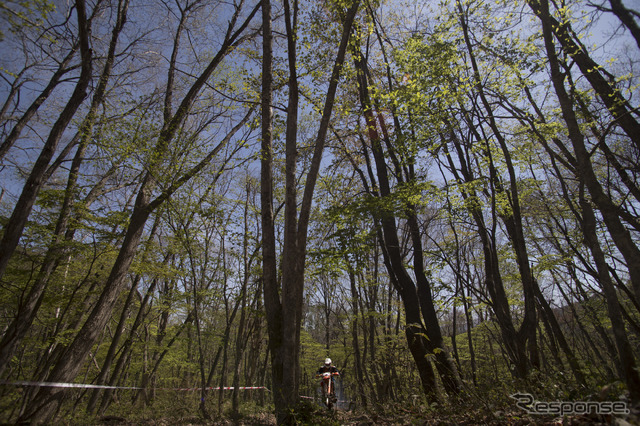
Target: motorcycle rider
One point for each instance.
(328, 368)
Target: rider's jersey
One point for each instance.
(328, 369)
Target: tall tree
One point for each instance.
(28, 309)
(284, 304)
(423, 330)
(586, 172)
(47, 400)
(14, 228)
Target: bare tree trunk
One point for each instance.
(416, 333)
(414, 299)
(493, 279)
(35, 105)
(272, 303)
(16, 223)
(617, 231)
(472, 353)
(625, 351)
(513, 220)
(124, 356)
(284, 315)
(626, 16)
(47, 401)
(435, 343)
(612, 98)
(354, 336)
(609, 94)
(156, 361)
(241, 340)
(27, 311)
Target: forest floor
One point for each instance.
(394, 416)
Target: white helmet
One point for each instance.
(327, 361)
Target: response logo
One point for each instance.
(526, 402)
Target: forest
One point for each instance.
(201, 200)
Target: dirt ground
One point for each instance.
(320, 417)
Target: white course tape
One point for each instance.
(217, 388)
(86, 386)
(64, 385)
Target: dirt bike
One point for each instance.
(328, 391)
